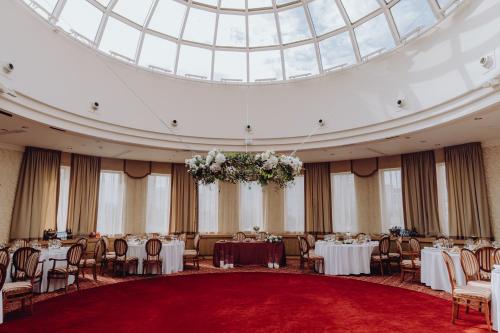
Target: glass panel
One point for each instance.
(265, 65)
(62, 207)
(262, 30)
(294, 26)
(443, 3)
(110, 212)
(300, 60)
(231, 31)
(230, 66)
(48, 5)
(200, 26)
(158, 204)
(344, 210)
(82, 17)
(251, 206)
(337, 51)
(168, 18)
(194, 61)
(325, 16)
(158, 52)
(357, 9)
(208, 2)
(208, 212)
(410, 14)
(259, 4)
(105, 3)
(284, 2)
(234, 4)
(119, 37)
(133, 10)
(442, 198)
(294, 206)
(391, 199)
(374, 35)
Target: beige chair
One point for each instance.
(121, 260)
(153, 249)
(193, 254)
(468, 295)
(73, 257)
(107, 256)
(4, 258)
(472, 271)
(311, 241)
(182, 237)
(496, 257)
(240, 236)
(94, 261)
(382, 257)
(308, 257)
(261, 235)
(408, 262)
(485, 258)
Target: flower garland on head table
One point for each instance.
(264, 168)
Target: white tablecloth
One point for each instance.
(171, 253)
(345, 259)
(433, 270)
(495, 297)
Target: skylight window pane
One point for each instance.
(119, 37)
(230, 66)
(233, 4)
(48, 5)
(300, 61)
(294, 25)
(357, 9)
(283, 2)
(231, 30)
(443, 3)
(133, 10)
(259, 4)
(262, 30)
(105, 3)
(82, 17)
(265, 65)
(374, 35)
(194, 61)
(158, 52)
(412, 14)
(200, 26)
(337, 51)
(326, 16)
(168, 18)
(207, 2)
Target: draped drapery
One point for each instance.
(184, 201)
(274, 207)
(135, 204)
(420, 195)
(35, 206)
(318, 202)
(467, 193)
(228, 214)
(83, 194)
(367, 191)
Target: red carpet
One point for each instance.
(243, 302)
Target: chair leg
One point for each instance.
(94, 272)
(76, 281)
(381, 268)
(83, 272)
(66, 285)
(467, 307)
(48, 283)
(454, 311)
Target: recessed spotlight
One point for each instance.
(423, 141)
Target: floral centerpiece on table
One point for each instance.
(264, 168)
(273, 239)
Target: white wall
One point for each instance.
(10, 163)
(492, 168)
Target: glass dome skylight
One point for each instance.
(243, 40)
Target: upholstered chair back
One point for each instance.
(415, 246)
(484, 256)
(470, 265)
(4, 257)
(74, 255)
(83, 242)
(450, 267)
(311, 240)
(240, 236)
(384, 245)
(121, 247)
(153, 249)
(32, 264)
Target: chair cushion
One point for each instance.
(480, 284)
(474, 292)
(393, 255)
(485, 275)
(190, 253)
(16, 288)
(378, 257)
(63, 270)
(128, 259)
(20, 275)
(110, 255)
(87, 262)
(407, 263)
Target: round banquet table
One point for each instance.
(433, 269)
(345, 259)
(171, 254)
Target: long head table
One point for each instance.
(244, 253)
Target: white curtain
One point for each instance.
(442, 198)
(344, 209)
(110, 211)
(208, 204)
(251, 206)
(391, 199)
(62, 206)
(158, 204)
(294, 206)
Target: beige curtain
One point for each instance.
(318, 198)
(420, 198)
(35, 206)
(368, 203)
(467, 193)
(184, 201)
(229, 201)
(274, 208)
(135, 205)
(83, 194)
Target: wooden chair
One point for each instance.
(311, 240)
(182, 237)
(107, 256)
(22, 290)
(261, 235)
(360, 236)
(194, 254)
(411, 265)
(121, 259)
(471, 268)
(19, 262)
(307, 256)
(21, 242)
(383, 254)
(4, 258)
(415, 247)
(467, 295)
(83, 242)
(496, 257)
(153, 249)
(484, 256)
(93, 262)
(240, 236)
(73, 257)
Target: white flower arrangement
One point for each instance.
(274, 239)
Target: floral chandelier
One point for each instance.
(264, 168)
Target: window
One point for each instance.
(442, 198)
(158, 204)
(344, 215)
(62, 206)
(391, 199)
(412, 14)
(374, 35)
(208, 208)
(251, 206)
(294, 206)
(119, 37)
(110, 212)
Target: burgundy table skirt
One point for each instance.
(249, 253)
